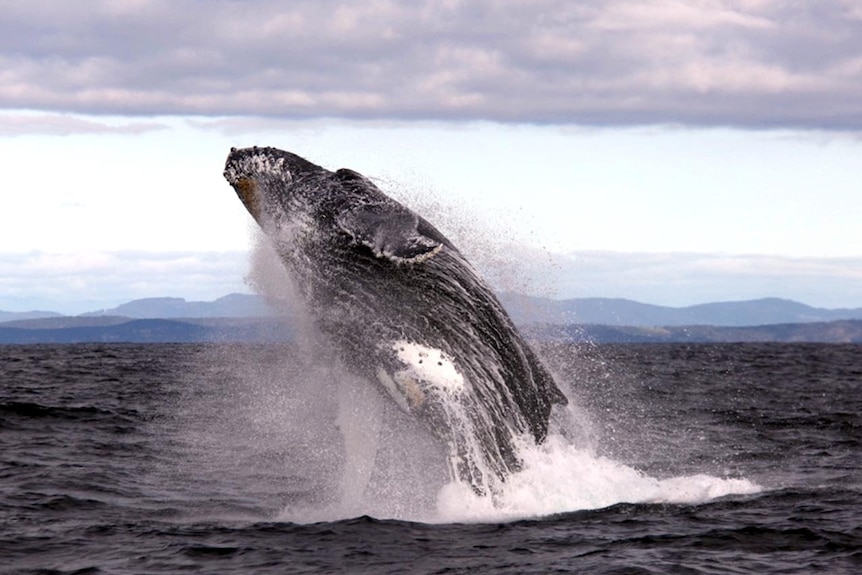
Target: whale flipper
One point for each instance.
(388, 228)
(396, 237)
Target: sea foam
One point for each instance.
(559, 477)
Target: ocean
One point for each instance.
(185, 458)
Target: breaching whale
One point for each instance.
(403, 307)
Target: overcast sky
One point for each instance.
(673, 152)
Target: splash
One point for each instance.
(379, 281)
(559, 477)
(283, 436)
(386, 464)
(381, 462)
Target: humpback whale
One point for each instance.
(404, 308)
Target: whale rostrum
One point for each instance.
(403, 307)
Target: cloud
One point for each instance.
(678, 279)
(84, 281)
(28, 123)
(744, 63)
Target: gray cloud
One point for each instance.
(746, 63)
(62, 125)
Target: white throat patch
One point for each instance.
(429, 365)
(427, 371)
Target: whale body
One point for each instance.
(403, 307)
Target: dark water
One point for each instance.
(183, 458)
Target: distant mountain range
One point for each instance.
(623, 312)
(524, 309)
(113, 329)
(232, 305)
(24, 315)
(243, 317)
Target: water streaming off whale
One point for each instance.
(400, 305)
(443, 409)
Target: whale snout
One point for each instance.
(258, 162)
(253, 172)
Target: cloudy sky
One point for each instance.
(667, 151)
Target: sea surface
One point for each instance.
(732, 458)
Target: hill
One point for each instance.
(231, 305)
(244, 317)
(840, 331)
(524, 310)
(125, 330)
(623, 312)
(224, 330)
(24, 315)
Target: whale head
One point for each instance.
(268, 180)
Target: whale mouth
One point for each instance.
(246, 189)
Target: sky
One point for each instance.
(669, 152)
